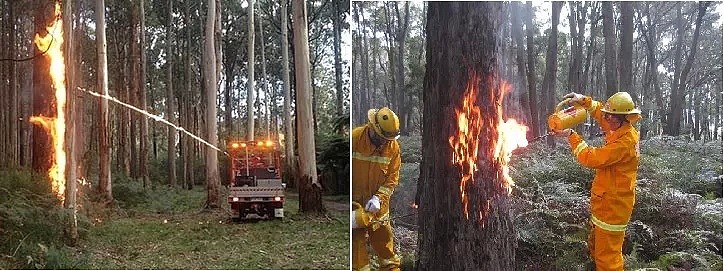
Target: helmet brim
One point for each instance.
(634, 111)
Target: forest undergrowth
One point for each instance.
(677, 219)
(160, 228)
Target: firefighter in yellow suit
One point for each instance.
(613, 191)
(375, 174)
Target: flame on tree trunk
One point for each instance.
(464, 206)
(48, 152)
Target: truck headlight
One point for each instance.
(235, 199)
(277, 198)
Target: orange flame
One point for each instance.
(465, 142)
(53, 42)
(510, 136)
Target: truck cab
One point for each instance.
(256, 186)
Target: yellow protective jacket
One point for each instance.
(613, 191)
(375, 171)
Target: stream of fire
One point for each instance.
(154, 117)
(55, 125)
(465, 142)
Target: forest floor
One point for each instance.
(194, 239)
(676, 224)
(166, 228)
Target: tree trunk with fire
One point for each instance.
(43, 94)
(464, 211)
(104, 148)
(310, 190)
(212, 160)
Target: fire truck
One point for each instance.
(256, 186)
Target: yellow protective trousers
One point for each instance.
(381, 242)
(605, 248)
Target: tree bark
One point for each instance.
(626, 58)
(609, 34)
(143, 146)
(13, 91)
(288, 128)
(718, 113)
(402, 28)
(43, 94)
(678, 93)
(212, 160)
(462, 52)
(310, 191)
(586, 86)
(250, 62)
(532, 99)
(170, 102)
(549, 79)
(70, 138)
(265, 84)
(337, 25)
(517, 33)
(5, 27)
(104, 148)
(189, 153)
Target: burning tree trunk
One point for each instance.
(42, 94)
(464, 214)
(310, 191)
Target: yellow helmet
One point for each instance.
(620, 104)
(384, 122)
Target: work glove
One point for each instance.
(563, 133)
(575, 98)
(353, 217)
(373, 205)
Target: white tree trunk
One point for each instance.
(250, 89)
(104, 148)
(70, 145)
(305, 123)
(265, 87)
(288, 128)
(212, 161)
(310, 198)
